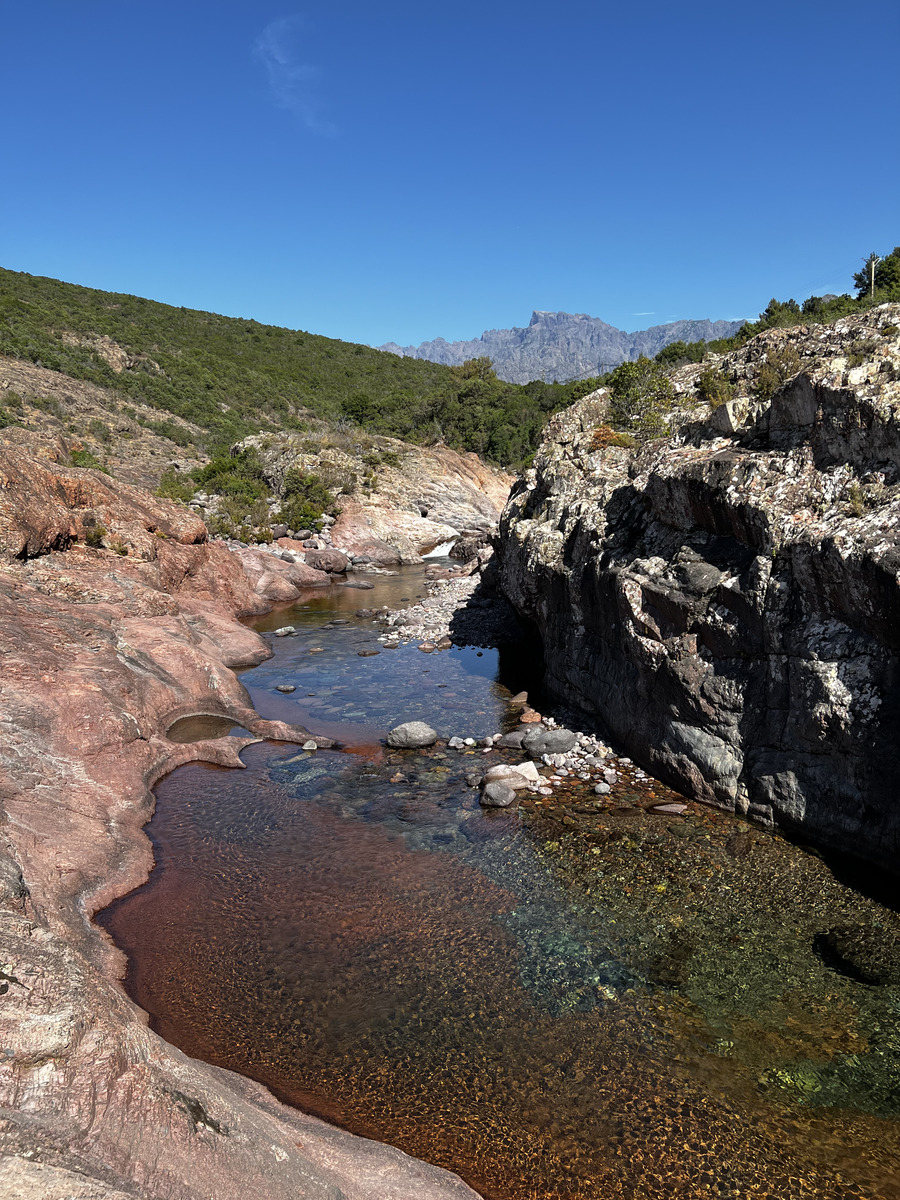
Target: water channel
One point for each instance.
(572, 1001)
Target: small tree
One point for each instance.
(641, 395)
(886, 273)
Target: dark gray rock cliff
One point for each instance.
(563, 346)
(725, 601)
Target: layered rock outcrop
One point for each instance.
(397, 501)
(101, 650)
(726, 601)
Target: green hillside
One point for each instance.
(231, 377)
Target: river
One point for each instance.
(577, 1000)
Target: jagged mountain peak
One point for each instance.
(562, 346)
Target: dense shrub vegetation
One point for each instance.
(232, 377)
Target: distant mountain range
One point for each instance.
(563, 346)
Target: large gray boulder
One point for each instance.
(497, 795)
(411, 736)
(330, 560)
(549, 741)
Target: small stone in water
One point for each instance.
(310, 745)
(602, 789)
(469, 741)
(412, 735)
(284, 631)
(512, 741)
(669, 808)
(367, 653)
(515, 776)
(498, 795)
(285, 687)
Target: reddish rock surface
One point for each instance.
(99, 653)
(415, 498)
(276, 580)
(330, 560)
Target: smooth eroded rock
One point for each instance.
(411, 735)
(549, 741)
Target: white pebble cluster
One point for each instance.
(590, 760)
(430, 619)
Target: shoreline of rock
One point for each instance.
(459, 610)
(102, 650)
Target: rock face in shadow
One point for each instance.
(101, 651)
(726, 601)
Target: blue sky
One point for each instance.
(402, 170)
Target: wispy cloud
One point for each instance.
(291, 81)
(651, 313)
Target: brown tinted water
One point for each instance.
(569, 1002)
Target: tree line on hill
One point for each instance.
(231, 377)
(815, 310)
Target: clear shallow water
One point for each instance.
(571, 1002)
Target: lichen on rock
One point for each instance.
(725, 599)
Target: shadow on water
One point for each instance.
(572, 1000)
(878, 883)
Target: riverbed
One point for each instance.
(577, 999)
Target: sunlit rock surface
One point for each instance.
(102, 649)
(399, 501)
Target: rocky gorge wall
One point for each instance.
(725, 600)
(102, 648)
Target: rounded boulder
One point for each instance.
(412, 735)
(330, 560)
(497, 795)
(549, 741)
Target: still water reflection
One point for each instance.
(569, 1002)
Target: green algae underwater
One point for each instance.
(577, 1000)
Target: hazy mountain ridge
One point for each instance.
(563, 346)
